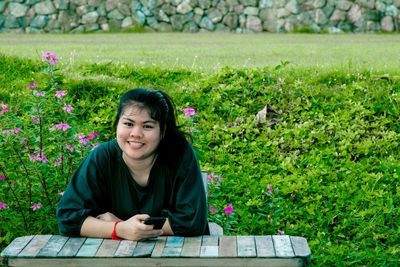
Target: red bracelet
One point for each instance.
(114, 235)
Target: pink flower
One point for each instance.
(211, 178)
(82, 139)
(3, 206)
(34, 84)
(189, 112)
(62, 193)
(17, 130)
(271, 189)
(92, 135)
(11, 131)
(60, 94)
(62, 126)
(2, 177)
(68, 108)
(281, 232)
(38, 93)
(71, 148)
(57, 163)
(213, 209)
(229, 209)
(4, 109)
(36, 206)
(51, 57)
(34, 119)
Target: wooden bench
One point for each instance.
(56, 250)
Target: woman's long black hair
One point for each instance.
(162, 109)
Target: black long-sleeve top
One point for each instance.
(103, 183)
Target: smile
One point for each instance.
(136, 144)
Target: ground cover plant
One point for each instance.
(323, 163)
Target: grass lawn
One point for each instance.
(332, 152)
(210, 51)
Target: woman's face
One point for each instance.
(138, 135)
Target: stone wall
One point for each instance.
(199, 15)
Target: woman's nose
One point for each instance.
(136, 131)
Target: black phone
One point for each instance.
(158, 222)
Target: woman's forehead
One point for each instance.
(137, 112)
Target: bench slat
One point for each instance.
(246, 246)
(107, 248)
(191, 247)
(227, 246)
(300, 247)
(125, 248)
(36, 244)
(265, 247)
(144, 249)
(210, 240)
(159, 247)
(55, 244)
(283, 246)
(90, 247)
(15, 247)
(174, 242)
(71, 247)
(209, 252)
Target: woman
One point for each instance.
(149, 170)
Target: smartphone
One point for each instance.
(158, 222)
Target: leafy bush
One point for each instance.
(331, 149)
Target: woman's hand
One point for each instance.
(135, 229)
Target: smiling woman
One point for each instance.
(150, 170)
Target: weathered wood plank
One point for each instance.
(283, 246)
(264, 246)
(171, 252)
(246, 246)
(144, 248)
(174, 242)
(125, 248)
(16, 246)
(90, 247)
(36, 244)
(55, 244)
(191, 247)
(227, 246)
(71, 247)
(209, 251)
(159, 247)
(210, 240)
(107, 248)
(301, 248)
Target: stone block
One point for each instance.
(78, 29)
(231, 20)
(396, 3)
(105, 27)
(61, 4)
(44, 8)
(152, 22)
(372, 26)
(190, 26)
(160, 15)
(114, 25)
(2, 6)
(239, 9)
(184, 7)
(169, 9)
(343, 4)
(251, 11)
(267, 14)
(151, 3)
(79, 2)
(197, 19)
(115, 15)
(224, 7)
(52, 23)
(39, 22)
(242, 21)
(214, 15)
(124, 9)
(320, 17)
(164, 27)
(207, 24)
(82, 10)
(335, 30)
(222, 28)
(204, 4)
(265, 4)
(292, 6)
(139, 18)
(254, 23)
(387, 24)
(101, 10)
(366, 3)
(198, 11)
(380, 6)
(391, 10)
(17, 9)
(177, 21)
(94, 3)
(282, 12)
(91, 27)
(370, 14)
(354, 14)
(11, 22)
(235, 2)
(90, 18)
(248, 2)
(337, 16)
(328, 10)
(111, 4)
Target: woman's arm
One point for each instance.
(131, 229)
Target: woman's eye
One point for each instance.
(129, 124)
(148, 127)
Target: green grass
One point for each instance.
(334, 157)
(214, 50)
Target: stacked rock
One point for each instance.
(199, 15)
